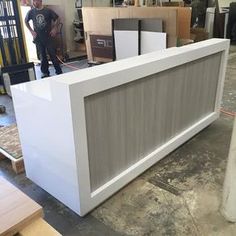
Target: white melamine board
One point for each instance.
(56, 143)
(209, 22)
(47, 138)
(126, 43)
(152, 41)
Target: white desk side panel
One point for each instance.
(152, 41)
(45, 127)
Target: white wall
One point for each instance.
(31, 48)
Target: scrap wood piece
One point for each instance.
(38, 228)
(17, 210)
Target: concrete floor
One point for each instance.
(70, 66)
(180, 195)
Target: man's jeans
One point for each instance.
(44, 48)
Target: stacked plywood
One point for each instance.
(176, 22)
(20, 214)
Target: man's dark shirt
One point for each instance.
(42, 21)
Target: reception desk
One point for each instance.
(87, 133)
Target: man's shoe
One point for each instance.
(44, 75)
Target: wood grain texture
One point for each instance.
(18, 166)
(126, 123)
(16, 209)
(183, 21)
(39, 228)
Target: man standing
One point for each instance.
(45, 22)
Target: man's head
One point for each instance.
(37, 3)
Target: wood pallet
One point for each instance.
(17, 164)
(10, 147)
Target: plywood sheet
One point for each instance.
(16, 209)
(183, 21)
(99, 19)
(124, 12)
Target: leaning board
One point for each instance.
(16, 209)
(97, 129)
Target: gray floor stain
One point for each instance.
(144, 209)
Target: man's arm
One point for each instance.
(55, 25)
(27, 19)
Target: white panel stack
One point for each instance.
(152, 36)
(133, 37)
(126, 38)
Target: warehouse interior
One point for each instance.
(136, 135)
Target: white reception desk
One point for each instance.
(87, 133)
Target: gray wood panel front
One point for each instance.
(126, 123)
